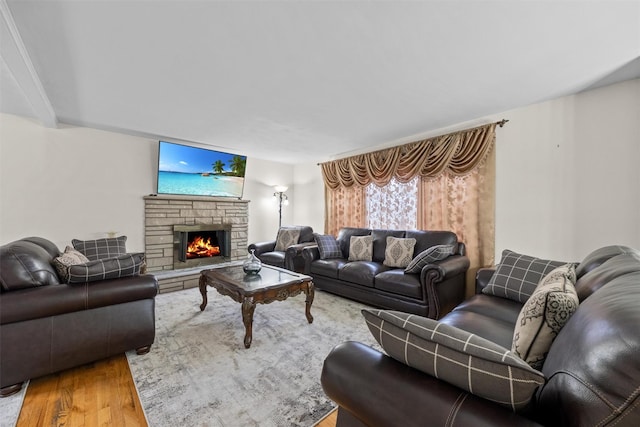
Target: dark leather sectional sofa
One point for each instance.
(47, 326)
(431, 293)
(592, 369)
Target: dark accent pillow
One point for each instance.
(327, 246)
(428, 256)
(458, 357)
(102, 269)
(517, 276)
(101, 248)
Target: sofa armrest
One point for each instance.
(309, 254)
(262, 247)
(398, 395)
(483, 275)
(293, 259)
(444, 284)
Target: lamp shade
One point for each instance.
(281, 188)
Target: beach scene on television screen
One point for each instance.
(196, 171)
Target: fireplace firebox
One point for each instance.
(199, 245)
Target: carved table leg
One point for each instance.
(203, 291)
(248, 306)
(310, 292)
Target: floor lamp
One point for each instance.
(282, 199)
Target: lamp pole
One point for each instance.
(282, 199)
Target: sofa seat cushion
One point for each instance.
(491, 318)
(327, 267)
(27, 304)
(397, 282)
(502, 309)
(361, 272)
(273, 258)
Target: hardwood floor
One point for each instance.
(97, 394)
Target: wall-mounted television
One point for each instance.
(188, 170)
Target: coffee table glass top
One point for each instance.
(267, 277)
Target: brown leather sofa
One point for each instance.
(47, 326)
(592, 369)
(434, 291)
(291, 258)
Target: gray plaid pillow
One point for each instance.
(101, 248)
(286, 237)
(465, 360)
(432, 254)
(102, 269)
(518, 275)
(327, 246)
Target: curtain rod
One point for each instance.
(500, 123)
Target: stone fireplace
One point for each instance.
(169, 220)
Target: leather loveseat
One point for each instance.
(591, 371)
(47, 326)
(431, 292)
(288, 256)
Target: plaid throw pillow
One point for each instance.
(428, 256)
(544, 314)
(361, 248)
(467, 361)
(518, 275)
(398, 252)
(101, 248)
(102, 269)
(327, 246)
(286, 237)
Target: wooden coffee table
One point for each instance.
(271, 284)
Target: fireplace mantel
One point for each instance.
(162, 212)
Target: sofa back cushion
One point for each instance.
(598, 277)
(592, 366)
(600, 255)
(344, 238)
(26, 264)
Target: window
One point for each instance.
(394, 206)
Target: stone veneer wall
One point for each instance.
(162, 212)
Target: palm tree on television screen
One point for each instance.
(238, 165)
(218, 166)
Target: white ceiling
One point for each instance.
(303, 81)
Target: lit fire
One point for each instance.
(199, 248)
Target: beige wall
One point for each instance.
(567, 179)
(74, 182)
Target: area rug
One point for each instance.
(198, 372)
(10, 407)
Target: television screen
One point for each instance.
(183, 169)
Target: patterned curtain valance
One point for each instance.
(458, 153)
